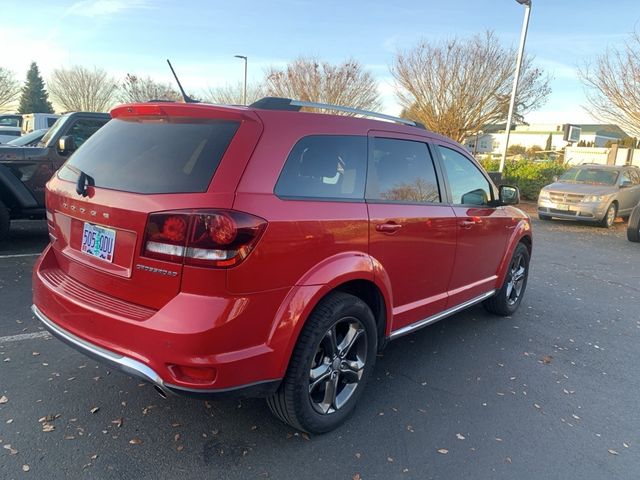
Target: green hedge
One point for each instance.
(529, 176)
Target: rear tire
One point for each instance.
(610, 216)
(633, 228)
(5, 221)
(545, 218)
(329, 367)
(507, 300)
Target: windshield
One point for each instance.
(593, 176)
(29, 139)
(52, 131)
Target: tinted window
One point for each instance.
(325, 166)
(468, 185)
(51, 121)
(10, 121)
(402, 171)
(10, 133)
(83, 129)
(151, 156)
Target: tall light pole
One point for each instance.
(523, 39)
(244, 91)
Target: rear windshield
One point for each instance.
(153, 155)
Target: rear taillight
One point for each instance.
(209, 238)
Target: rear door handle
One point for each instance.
(388, 227)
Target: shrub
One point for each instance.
(527, 175)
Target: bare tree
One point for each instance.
(139, 89)
(9, 89)
(232, 94)
(78, 89)
(458, 86)
(308, 79)
(613, 85)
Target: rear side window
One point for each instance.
(402, 171)
(51, 121)
(153, 156)
(325, 166)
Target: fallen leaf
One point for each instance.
(176, 437)
(356, 477)
(390, 459)
(498, 439)
(358, 455)
(180, 448)
(12, 451)
(460, 436)
(35, 354)
(10, 420)
(135, 441)
(575, 416)
(625, 445)
(410, 428)
(443, 451)
(94, 456)
(612, 451)
(117, 422)
(47, 427)
(405, 470)
(305, 436)
(508, 459)
(176, 424)
(547, 359)
(94, 409)
(25, 468)
(3, 399)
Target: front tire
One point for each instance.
(609, 217)
(5, 221)
(329, 367)
(507, 300)
(633, 228)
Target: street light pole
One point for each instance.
(523, 38)
(244, 91)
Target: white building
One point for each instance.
(545, 136)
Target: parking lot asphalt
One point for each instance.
(551, 392)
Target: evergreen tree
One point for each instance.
(34, 97)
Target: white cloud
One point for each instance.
(100, 8)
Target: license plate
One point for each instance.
(99, 242)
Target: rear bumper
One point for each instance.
(144, 372)
(228, 335)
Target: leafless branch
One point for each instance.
(458, 86)
(81, 89)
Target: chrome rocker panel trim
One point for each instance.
(439, 316)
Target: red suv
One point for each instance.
(264, 251)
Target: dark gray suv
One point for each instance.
(592, 193)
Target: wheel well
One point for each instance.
(527, 243)
(370, 294)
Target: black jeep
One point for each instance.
(24, 171)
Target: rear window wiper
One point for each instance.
(84, 180)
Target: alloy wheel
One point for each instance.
(338, 365)
(517, 275)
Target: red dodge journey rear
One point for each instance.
(235, 250)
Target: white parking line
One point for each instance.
(18, 255)
(24, 336)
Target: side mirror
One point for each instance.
(626, 183)
(66, 145)
(509, 195)
(555, 178)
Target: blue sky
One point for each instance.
(201, 37)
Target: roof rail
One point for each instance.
(277, 103)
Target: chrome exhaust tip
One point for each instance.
(160, 391)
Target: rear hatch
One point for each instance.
(149, 160)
